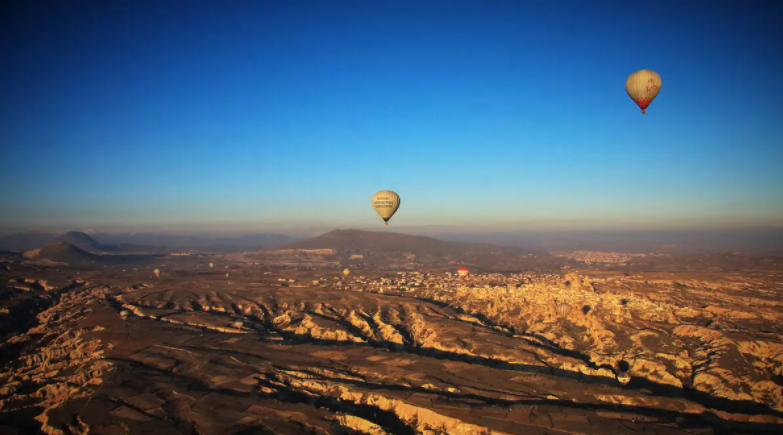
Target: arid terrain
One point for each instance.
(260, 345)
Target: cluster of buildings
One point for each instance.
(410, 281)
(591, 257)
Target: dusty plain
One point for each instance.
(387, 352)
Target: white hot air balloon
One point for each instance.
(643, 86)
(156, 272)
(124, 314)
(211, 265)
(386, 204)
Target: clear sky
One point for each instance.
(512, 114)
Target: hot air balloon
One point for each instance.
(463, 272)
(238, 323)
(562, 309)
(124, 314)
(211, 265)
(643, 86)
(623, 377)
(386, 204)
(346, 272)
(156, 272)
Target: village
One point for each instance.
(409, 281)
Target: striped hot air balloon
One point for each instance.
(463, 272)
(562, 309)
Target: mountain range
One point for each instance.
(142, 242)
(61, 252)
(761, 240)
(380, 249)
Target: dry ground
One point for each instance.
(704, 353)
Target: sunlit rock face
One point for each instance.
(383, 353)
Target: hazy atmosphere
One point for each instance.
(278, 116)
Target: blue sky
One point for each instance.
(482, 114)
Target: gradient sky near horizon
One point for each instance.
(123, 114)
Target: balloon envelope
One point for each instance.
(562, 309)
(463, 272)
(346, 272)
(643, 86)
(386, 204)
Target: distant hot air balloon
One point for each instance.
(211, 265)
(346, 272)
(463, 272)
(562, 309)
(238, 323)
(156, 272)
(386, 204)
(643, 86)
(623, 377)
(124, 314)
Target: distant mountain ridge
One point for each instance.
(142, 242)
(67, 254)
(62, 253)
(376, 248)
(206, 243)
(760, 240)
(357, 241)
(83, 242)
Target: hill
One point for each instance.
(62, 253)
(21, 242)
(65, 253)
(143, 242)
(375, 248)
(84, 241)
(375, 242)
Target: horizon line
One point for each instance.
(322, 229)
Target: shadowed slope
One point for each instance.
(377, 247)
